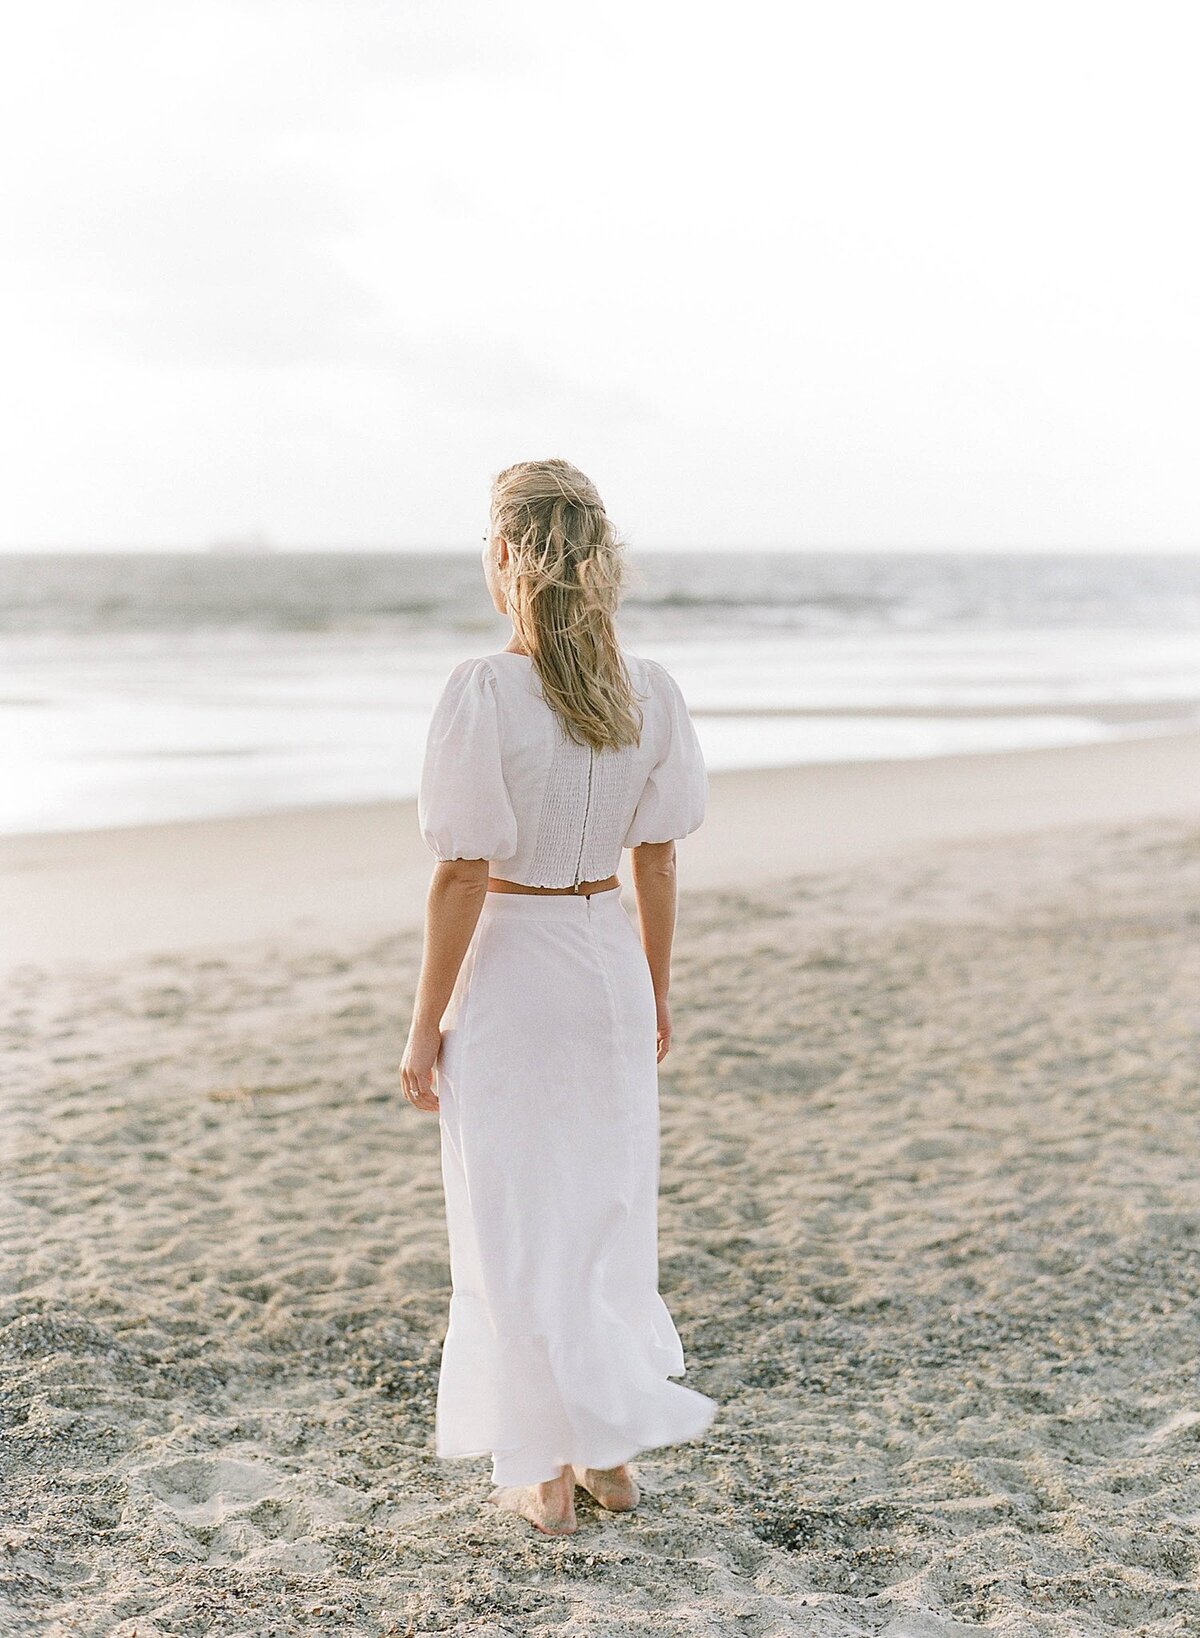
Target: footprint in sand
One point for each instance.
(206, 1490)
(237, 1509)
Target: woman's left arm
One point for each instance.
(456, 896)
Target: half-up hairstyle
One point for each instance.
(562, 583)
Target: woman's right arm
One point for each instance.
(653, 866)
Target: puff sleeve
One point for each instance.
(463, 806)
(675, 797)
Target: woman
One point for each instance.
(546, 1016)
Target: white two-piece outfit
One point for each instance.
(559, 1347)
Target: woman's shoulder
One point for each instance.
(476, 669)
(512, 670)
(647, 674)
(653, 678)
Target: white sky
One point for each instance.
(818, 275)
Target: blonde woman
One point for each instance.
(543, 1015)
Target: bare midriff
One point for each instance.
(497, 884)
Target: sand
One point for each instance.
(327, 876)
(930, 1229)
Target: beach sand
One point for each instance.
(324, 877)
(930, 1227)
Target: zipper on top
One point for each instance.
(583, 827)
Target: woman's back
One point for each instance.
(502, 779)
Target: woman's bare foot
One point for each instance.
(613, 1487)
(549, 1507)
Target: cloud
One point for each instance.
(908, 276)
(186, 191)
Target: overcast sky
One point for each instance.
(824, 275)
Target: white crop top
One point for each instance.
(503, 781)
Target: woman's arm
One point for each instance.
(653, 865)
(456, 896)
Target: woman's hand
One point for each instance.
(416, 1068)
(663, 1009)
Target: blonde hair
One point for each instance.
(563, 581)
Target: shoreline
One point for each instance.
(1178, 708)
(328, 875)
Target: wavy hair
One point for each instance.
(564, 578)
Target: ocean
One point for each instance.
(145, 687)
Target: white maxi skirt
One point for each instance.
(559, 1346)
